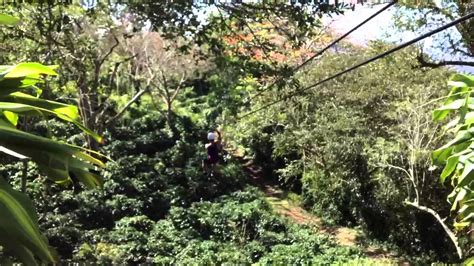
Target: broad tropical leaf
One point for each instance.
(13, 79)
(19, 231)
(449, 168)
(458, 153)
(58, 160)
(28, 69)
(464, 81)
(442, 112)
(8, 20)
(24, 104)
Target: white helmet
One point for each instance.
(211, 136)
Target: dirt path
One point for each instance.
(278, 199)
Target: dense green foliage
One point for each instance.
(457, 153)
(345, 147)
(356, 150)
(156, 206)
(20, 234)
(236, 228)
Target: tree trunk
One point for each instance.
(85, 109)
(170, 119)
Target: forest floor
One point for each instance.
(286, 207)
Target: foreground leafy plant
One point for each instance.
(458, 153)
(19, 231)
(61, 162)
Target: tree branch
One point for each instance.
(410, 177)
(117, 42)
(134, 99)
(178, 88)
(425, 63)
(116, 66)
(455, 45)
(448, 231)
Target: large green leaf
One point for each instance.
(26, 75)
(22, 76)
(61, 108)
(11, 85)
(466, 212)
(8, 20)
(25, 104)
(462, 80)
(28, 69)
(11, 117)
(456, 93)
(19, 231)
(458, 153)
(440, 155)
(449, 168)
(467, 173)
(442, 112)
(461, 137)
(457, 122)
(58, 160)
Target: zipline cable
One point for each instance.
(293, 71)
(399, 47)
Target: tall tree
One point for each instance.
(430, 13)
(157, 67)
(82, 40)
(207, 22)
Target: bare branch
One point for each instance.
(134, 99)
(165, 85)
(116, 66)
(117, 42)
(178, 88)
(455, 47)
(410, 177)
(440, 220)
(425, 63)
(399, 168)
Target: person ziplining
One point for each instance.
(213, 148)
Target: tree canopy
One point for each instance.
(105, 109)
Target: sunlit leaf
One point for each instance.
(19, 232)
(11, 117)
(467, 80)
(459, 197)
(467, 174)
(27, 69)
(19, 226)
(29, 105)
(449, 168)
(461, 136)
(458, 153)
(8, 20)
(51, 156)
(442, 112)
